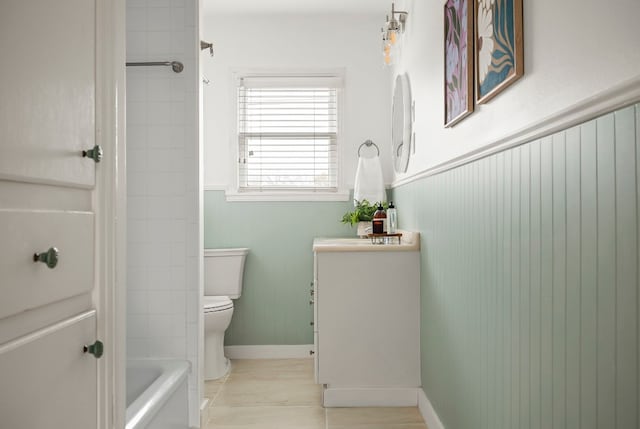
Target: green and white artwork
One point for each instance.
(499, 46)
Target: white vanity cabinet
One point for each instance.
(367, 321)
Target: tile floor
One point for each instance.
(281, 394)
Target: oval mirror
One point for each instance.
(401, 123)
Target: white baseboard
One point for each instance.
(268, 352)
(370, 397)
(428, 413)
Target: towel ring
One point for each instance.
(368, 143)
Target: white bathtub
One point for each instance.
(157, 394)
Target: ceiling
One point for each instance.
(361, 7)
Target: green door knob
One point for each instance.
(95, 153)
(50, 257)
(95, 349)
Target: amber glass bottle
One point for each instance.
(379, 222)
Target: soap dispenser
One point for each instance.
(392, 219)
(379, 222)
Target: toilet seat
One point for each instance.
(214, 304)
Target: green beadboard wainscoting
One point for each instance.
(530, 282)
(274, 307)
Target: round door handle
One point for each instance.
(50, 257)
(311, 353)
(96, 349)
(95, 153)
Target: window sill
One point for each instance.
(287, 196)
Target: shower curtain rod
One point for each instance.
(177, 66)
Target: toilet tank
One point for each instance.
(223, 271)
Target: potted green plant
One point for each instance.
(361, 215)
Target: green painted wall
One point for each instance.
(274, 307)
(530, 282)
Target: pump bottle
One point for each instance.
(392, 219)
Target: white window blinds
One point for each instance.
(288, 133)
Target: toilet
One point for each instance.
(223, 271)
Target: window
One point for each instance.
(288, 134)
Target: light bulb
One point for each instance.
(392, 37)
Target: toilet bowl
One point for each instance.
(217, 317)
(223, 273)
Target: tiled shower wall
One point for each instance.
(164, 237)
(530, 282)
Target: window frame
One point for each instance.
(234, 193)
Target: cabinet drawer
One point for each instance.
(26, 284)
(48, 371)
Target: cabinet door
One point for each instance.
(47, 379)
(368, 319)
(47, 82)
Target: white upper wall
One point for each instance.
(296, 42)
(574, 50)
(379, 7)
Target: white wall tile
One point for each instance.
(161, 278)
(137, 230)
(137, 160)
(178, 254)
(137, 208)
(159, 19)
(167, 348)
(159, 43)
(136, 88)
(178, 88)
(137, 278)
(137, 348)
(137, 302)
(137, 113)
(178, 43)
(136, 46)
(137, 184)
(158, 255)
(179, 136)
(178, 109)
(136, 136)
(167, 302)
(193, 307)
(138, 326)
(136, 19)
(159, 113)
(161, 137)
(138, 255)
(178, 19)
(162, 174)
(158, 3)
(168, 325)
(159, 89)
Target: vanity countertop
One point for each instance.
(410, 241)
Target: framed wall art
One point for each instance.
(458, 60)
(499, 54)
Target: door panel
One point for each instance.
(48, 381)
(47, 82)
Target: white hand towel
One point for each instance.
(369, 183)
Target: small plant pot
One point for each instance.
(364, 228)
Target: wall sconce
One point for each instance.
(392, 29)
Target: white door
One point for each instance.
(48, 198)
